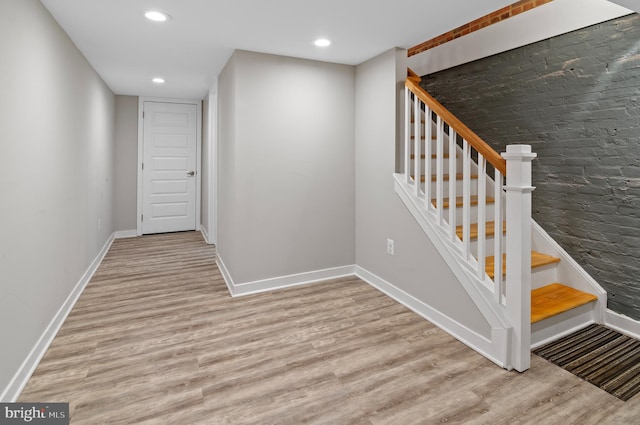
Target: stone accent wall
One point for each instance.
(576, 99)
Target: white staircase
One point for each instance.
(524, 304)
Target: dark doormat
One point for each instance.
(600, 356)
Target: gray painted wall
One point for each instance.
(286, 157)
(227, 122)
(416, 267)
(126, 163)
(56, 168)
(574, 98)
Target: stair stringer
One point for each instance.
(496, 347)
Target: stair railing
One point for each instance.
(453, 139)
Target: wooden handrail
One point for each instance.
(413, 76)
(478, 144)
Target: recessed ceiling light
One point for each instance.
(158, 80)
(156, 15)
(322, 42)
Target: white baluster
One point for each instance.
(439, 168)
(452, 184)
(466, 199)
(427, 157)
(482, 217)
(518, 279)
(407, 135)
(497, 239)
(417, 151)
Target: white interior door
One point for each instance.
(169, 167)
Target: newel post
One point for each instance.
(518, 248)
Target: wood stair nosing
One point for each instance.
(459, 201)
(538, 259)
(556, 298)
(423, 137)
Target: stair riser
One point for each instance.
(542, 276)
(473, 210)
(562, 324)
(488, 246)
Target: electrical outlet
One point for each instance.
(390, 247)
(99, 223)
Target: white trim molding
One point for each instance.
(280, 282)
(470, 338)
(205, 234)
(621, 323)
(16, 385)
(228, 280)
(122, 234)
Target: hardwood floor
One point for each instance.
(156, 339)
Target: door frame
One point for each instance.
(198, 103)
(212, 219)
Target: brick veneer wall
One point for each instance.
(576, 99)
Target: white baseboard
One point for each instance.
(621, 323)
(205, 235)
(121, 234)
(28, 366)
(280, 282)
(225, 274)
(463, 334)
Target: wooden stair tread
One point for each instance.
(556, 298)
(423, 137)
(473, 229)
(473, 199)
(538, 259)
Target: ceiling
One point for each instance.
(192, 48)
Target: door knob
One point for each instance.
(191, 173)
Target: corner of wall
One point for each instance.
(416, 268)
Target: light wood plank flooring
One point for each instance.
(156, 339)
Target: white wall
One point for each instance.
(227, 204)
(56, 169)
(416, 268)
(126, 163)
(286, 178)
